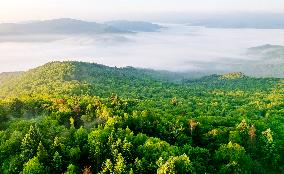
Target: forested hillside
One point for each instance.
(76, 117)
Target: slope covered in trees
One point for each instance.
(75, 117)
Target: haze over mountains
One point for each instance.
(173, 47)
(73, 26)
(265, 61)
(240, 20)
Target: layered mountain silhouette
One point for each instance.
(73, 26)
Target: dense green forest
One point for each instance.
(76, 117)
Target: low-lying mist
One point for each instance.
(176, 48)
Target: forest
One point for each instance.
(76, 117)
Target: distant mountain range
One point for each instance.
(135, 26)
(268, 51)
(264, 61)
(73, 26)
(258, 21)
(269, 61)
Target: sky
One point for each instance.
(22, 10)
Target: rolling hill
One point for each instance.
(78, 78)
(81, 78)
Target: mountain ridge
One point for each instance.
(80, 78)
(74, 26)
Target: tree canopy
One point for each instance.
(76, 117)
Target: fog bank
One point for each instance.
(176, 48)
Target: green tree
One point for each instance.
(33, 166)
(175, 165)
(233, 159)
(72, 169)
(42, 154)
(30, 143)
(57, 162)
